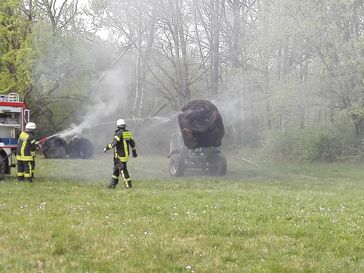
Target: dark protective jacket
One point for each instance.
(26, 146)
(121, 142)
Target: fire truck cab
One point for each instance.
(13, 117)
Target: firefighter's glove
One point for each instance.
(105, 149)
(134, 153)
(37, 145)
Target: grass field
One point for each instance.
(265, 218)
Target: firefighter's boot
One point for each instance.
(29, 179)
(127, 183)
(113, 183)
(20, 178)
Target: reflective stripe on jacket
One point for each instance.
(26, 147)
(121, 142)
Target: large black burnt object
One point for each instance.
(201, 124)
(54, 147)
(80, 148)
(57, 147)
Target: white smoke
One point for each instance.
(107, 97)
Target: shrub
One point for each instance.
(312, 144)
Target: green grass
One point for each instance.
(265, 218)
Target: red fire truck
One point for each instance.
(13, 117)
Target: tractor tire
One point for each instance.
(3, 163)
(218, 165)
(177, 165)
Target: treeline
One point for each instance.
(288, 75)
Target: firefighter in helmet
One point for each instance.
(121, 142)
(25, 153)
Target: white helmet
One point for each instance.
(30, 126)
(120, 122)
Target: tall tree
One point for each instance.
(15, 49)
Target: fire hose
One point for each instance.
(7, 156)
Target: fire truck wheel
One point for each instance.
(177, 165)
(2, 166)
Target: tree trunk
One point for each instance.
(215, 45)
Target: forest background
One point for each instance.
(287, 75)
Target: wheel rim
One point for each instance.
(172, 167)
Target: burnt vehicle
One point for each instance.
(197, 144)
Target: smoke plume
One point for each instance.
(106, 98)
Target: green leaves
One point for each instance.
(15, 50)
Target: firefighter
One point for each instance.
(25, 153)
(121, 142)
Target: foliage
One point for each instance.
(325, 147)
(62, 73)
(278, 65)
(325, 144)
(15, 49)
